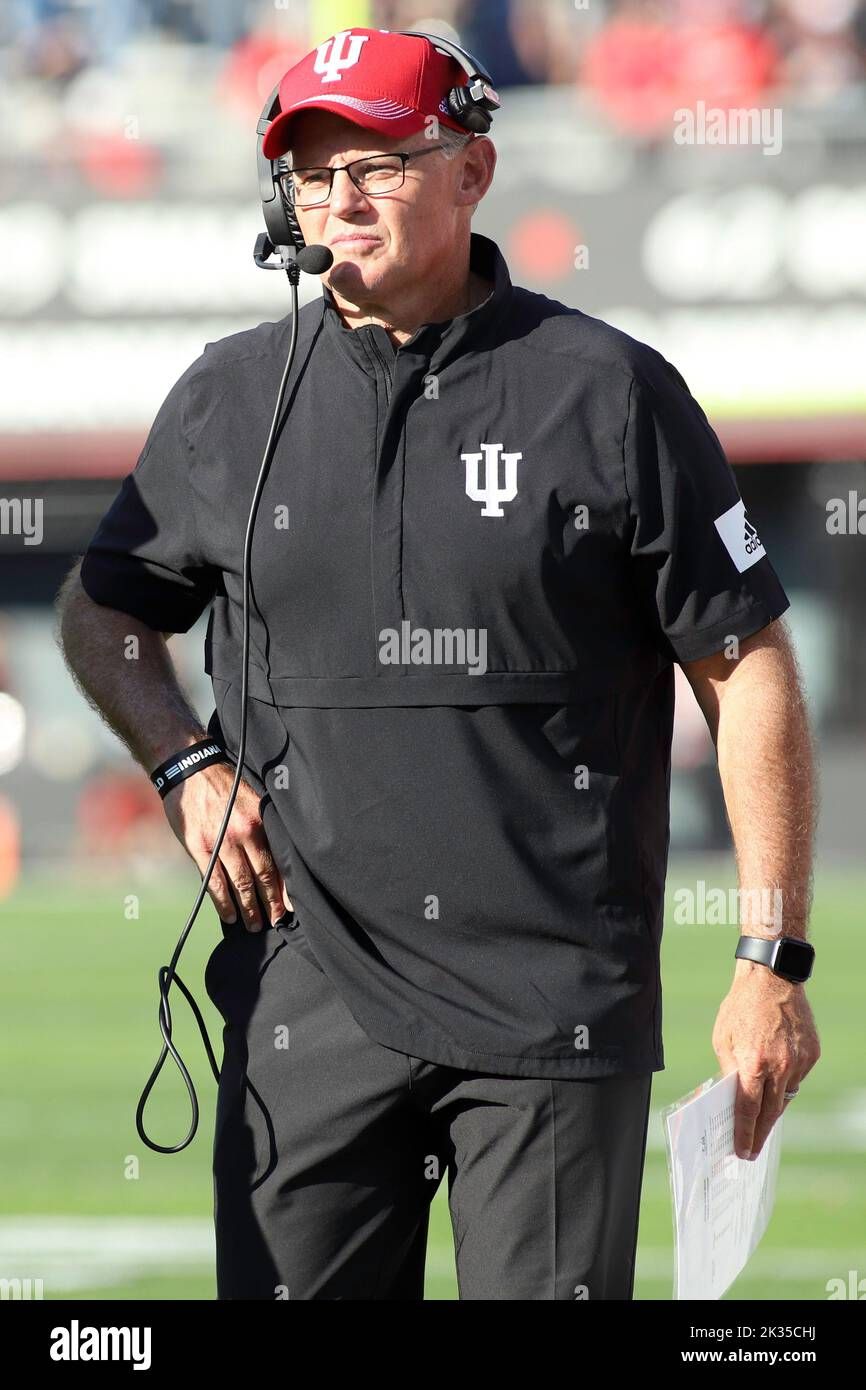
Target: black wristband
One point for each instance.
(183, 764)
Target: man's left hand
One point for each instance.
(765, 1032)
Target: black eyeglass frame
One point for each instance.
(404, 155)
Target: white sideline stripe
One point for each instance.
(80, 1252)
(71, 1253)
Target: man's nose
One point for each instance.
(346, 197)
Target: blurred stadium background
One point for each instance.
(128, 216)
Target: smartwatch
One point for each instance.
(788, 956)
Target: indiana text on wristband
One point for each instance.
(189, 760)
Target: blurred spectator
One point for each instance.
(98, 31)
(823, 46)
(487, 27)
(10, 847)
(641, 67)
(640, 59)
(47, 39)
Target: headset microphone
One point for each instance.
(315, 260)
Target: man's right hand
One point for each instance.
(153, 717)
(195, 809)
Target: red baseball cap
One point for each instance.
(391, 83)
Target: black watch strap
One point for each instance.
(788, 956)
(185, 762)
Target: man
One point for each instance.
(491, 526)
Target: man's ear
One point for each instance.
(478, 169)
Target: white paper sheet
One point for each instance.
(721, 1203)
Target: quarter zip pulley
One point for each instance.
(385, 368)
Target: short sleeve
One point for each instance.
(696, 557)
(145, 557)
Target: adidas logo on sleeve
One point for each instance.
(739, 536)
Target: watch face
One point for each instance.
(794, 959)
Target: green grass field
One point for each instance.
(89, 1209)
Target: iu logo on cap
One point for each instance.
(491, 494)
(332, 56)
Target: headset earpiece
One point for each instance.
(280, 217)
(473, 104)
(464, 109)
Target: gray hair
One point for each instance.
(452, 141)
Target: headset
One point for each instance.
(472, 105)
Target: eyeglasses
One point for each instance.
(372, 174)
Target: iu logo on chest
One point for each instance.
(494, 481)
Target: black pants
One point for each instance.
(329, 1147)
